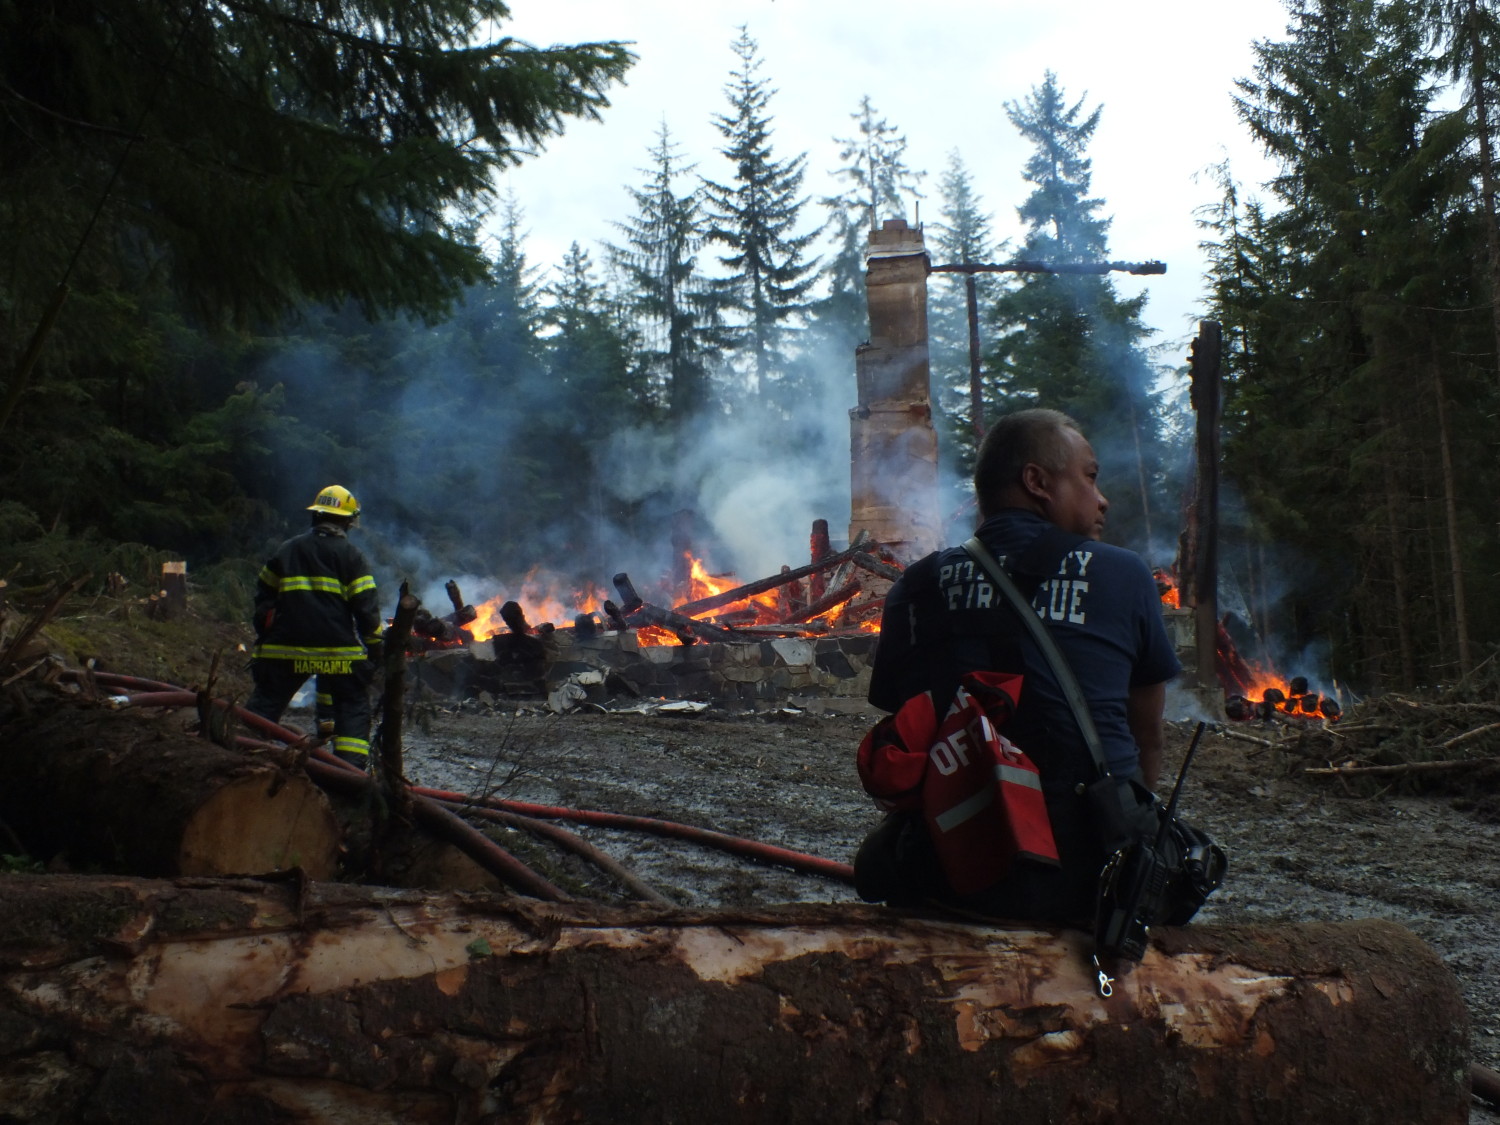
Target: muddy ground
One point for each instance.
(1301, 849)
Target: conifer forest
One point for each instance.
(252, 247)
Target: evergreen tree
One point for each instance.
(512, 301)
(682, 309)
(1355, 300)
(875, 171)
(756, 217)
(1069, 341)
(961, 236)
(1469, 33)
(271, 153)
(184, 167)
(590, 349)
(877, 182)
(591, 358)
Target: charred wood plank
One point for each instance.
(827, 602)
(630, 601)
(760, 586)
(790, 597)
(279, 1003)
(862, 543)
(515, 618)
(818, 549)
(442, 629)
(875, 566)
(616, 617)
(456, 597)
(683, 626)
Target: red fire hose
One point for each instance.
(327, 768)
(750, 849)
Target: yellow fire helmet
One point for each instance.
(336, 500)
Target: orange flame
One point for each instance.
(542, 597)
(547, 598)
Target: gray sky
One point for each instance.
(940, 71)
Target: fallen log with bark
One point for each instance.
(230, 1001)
(128, 792)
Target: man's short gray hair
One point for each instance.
(1016, 440)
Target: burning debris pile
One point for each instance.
(810, 629)
(1449, 740)
(1252, 691)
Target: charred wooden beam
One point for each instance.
(455, 596)
(630, 601)
(736, 618)
(859, 613)
(827, 602)
(819, 548)
(875, 566)
(515, 618)
(860, 545)
(443, 629)
(792, 629)
(684, 627)
(760, 586)
(616, 618)
(790, 598)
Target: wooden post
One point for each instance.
(392, 769)
(174, 588)
(1204, 367)
(818, 549)
(976, 384)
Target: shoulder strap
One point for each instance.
(1055, 659)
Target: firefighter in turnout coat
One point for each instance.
(317, 614)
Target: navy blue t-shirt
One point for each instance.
(1101, 606)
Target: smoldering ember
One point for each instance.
(600, 869)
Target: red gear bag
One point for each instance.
(980, 795)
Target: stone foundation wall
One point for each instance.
(612, 665)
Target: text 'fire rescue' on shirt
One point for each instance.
(1063, 598)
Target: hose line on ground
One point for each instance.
(750, 849)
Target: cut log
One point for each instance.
(243, 1001)
(133, 792)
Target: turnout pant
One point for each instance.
(347, 696)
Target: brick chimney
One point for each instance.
(892, 444)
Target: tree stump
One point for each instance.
(133, 792)
(174, 589)
(221, 1002)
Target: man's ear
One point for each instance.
(1036, 481)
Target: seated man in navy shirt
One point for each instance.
(1036, 480)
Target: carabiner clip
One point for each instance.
(1106, 982)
